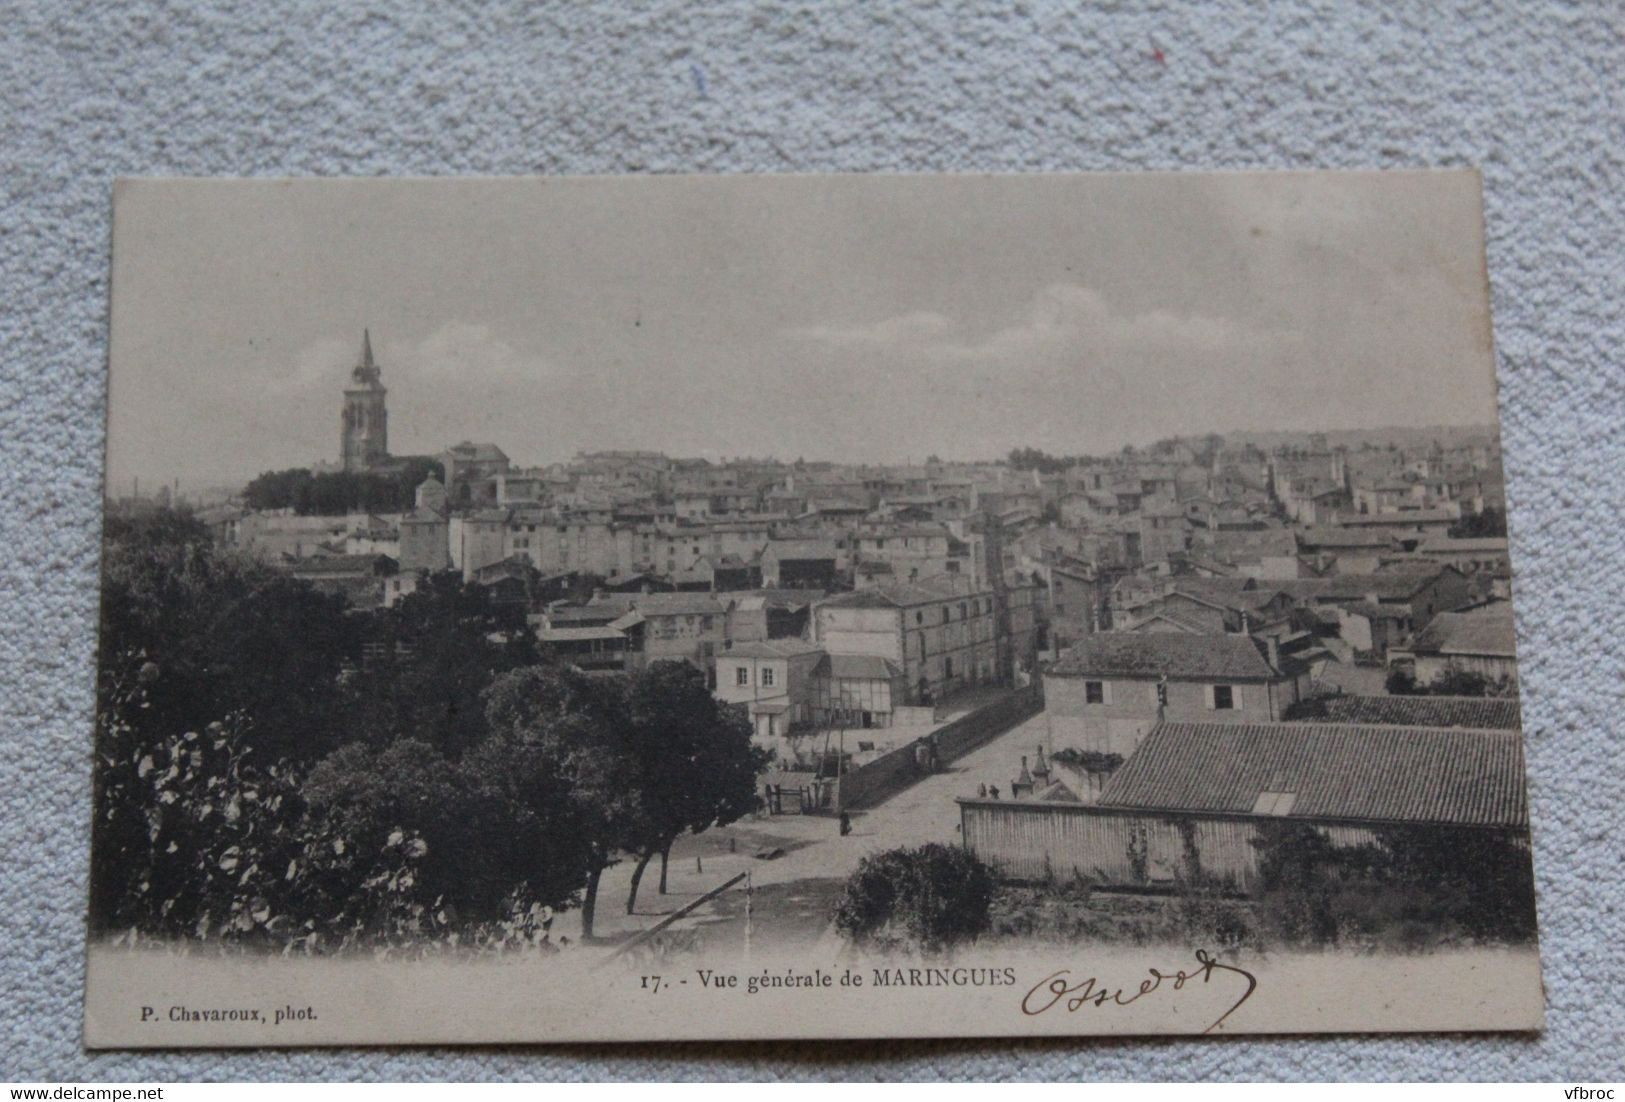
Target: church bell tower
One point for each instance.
(364, 435)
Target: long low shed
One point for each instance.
(1037, 840)
(1196, 793)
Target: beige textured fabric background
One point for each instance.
(1531, 93)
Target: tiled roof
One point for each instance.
(1334, 771)
(676, 604)
(903, 595)
(598, 613)
(800, 549)
(369, 563)
(888, 531)
(1157, 654)
(858, 667)
(1180, 620)
(771, 648)
(771, 598)
(1407, 516)
(479, 452)
(566, 635)
(1439, 544)
(1497, 712)
(1392, 586)
(1250, 600)
(1486, 631)
(1327, 536)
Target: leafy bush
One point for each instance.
(1454, 681)
(195, 836)
(929, 899)
(1414, 888)
(1313, 707)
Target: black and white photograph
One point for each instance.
(612, 608)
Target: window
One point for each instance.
(767, 676)
(1275, 803)
(919, 617)
(962, 612)
(1094, 692)
(742, 675)
(1224, 698)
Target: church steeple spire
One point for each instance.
(365, 373)
(364, 426)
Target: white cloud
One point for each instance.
(459, 350)
(1061, 318)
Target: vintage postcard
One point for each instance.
(805, 607)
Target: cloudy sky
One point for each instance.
(853, 318)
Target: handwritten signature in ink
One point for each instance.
(1058, 988)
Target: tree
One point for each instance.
(1032, 459)
(1489, 524)
(696, 765)
(196, 835)
(1452, 681)
(1402, 682)
(163, 527)
(576, 726)
(1478, 881)
(930, 898)
(433, 655)
(1415, 886)
(334, 493)
(231, 635)
(1314, 707)
(1296, 870)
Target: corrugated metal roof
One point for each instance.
(1496, 712)
(1454, 775)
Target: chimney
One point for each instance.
(1272, 648)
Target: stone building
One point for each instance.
(941, 632)
(364, 424)
(1112, 688)
(426, 530)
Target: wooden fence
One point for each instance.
(1040, 841)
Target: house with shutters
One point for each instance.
(1480, 640)
(1110, 689)
(772, 680)
(941, 632)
